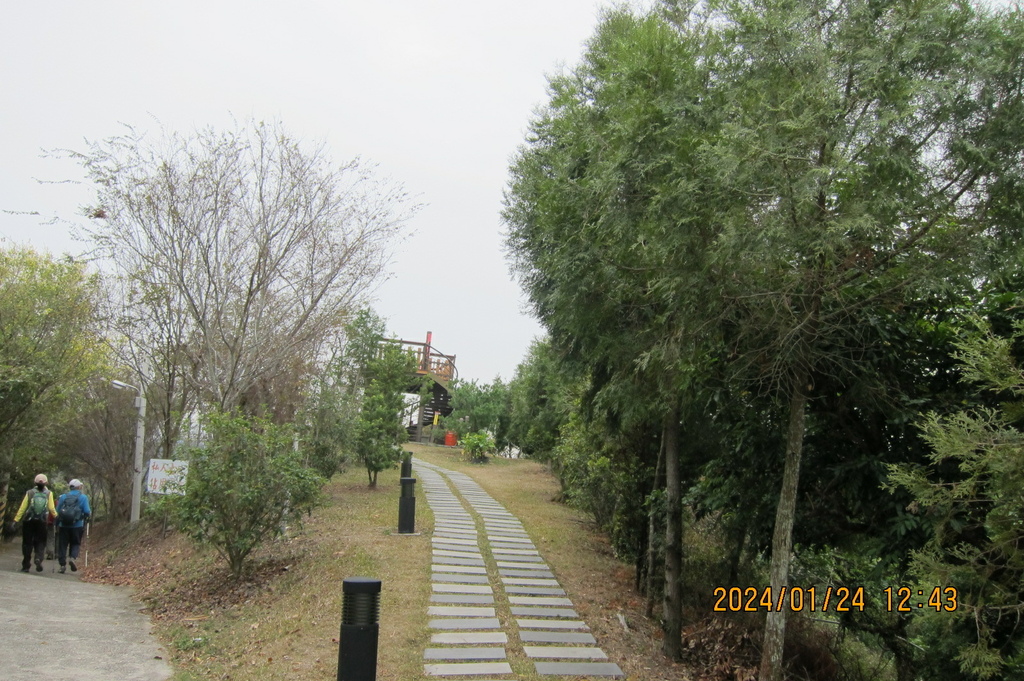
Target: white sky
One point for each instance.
(438, 94)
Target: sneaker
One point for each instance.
(74, 568)
(61, 569)
(39, 566)
(24, 569)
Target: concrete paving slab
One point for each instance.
(531, 636)
(510, 572)
(452, 560)
(462, 599)
(502, 551)
(564, 653)
(460, 588)
(521, 565)
(470, 623)
(520, 611)
(579, 669)
(456, 554)
(524, 581)
(462, 637)
(457, 578)
(464, 569)
(467, 668)
(464, 654)
(519, 559)
(538, 600)
(534, 591)
(459, 611)
(552, 624)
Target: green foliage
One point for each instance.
(970, 496)
(479, 407)
(327, 422)
(244, 483)
(383, 373)
(477, 446)
(49, 348)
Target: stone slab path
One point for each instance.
(493, 596)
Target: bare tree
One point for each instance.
(239, 252)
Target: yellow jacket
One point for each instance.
(50, 508)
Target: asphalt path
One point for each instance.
(54, 625)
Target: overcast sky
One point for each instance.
(438, 94)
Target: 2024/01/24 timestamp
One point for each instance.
(831, 599)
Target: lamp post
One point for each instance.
(140, 439)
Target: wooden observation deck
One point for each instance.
(441, 371)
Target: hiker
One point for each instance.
(72, 513)
(36, 508)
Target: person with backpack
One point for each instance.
(36, 508)
(72, 513)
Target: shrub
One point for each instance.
(243, 483)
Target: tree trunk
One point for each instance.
(672, 643)
(653, 585)
(782, 539)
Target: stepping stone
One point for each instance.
(456, 554)
(459, 611)
(459, 669)
(514, 552)
(534, 591)
(453, 560)
(466, 623)
(529, 600)
(528, 636)
(565, 653)
(552, 624)
(451, 541)
(518, 565)
(519, 581)
(461, 588)
(460, 637)
(467, 569)
(544, 612)
(510, 540)
(459, 578)
(579, 669)
(519, 559)
(508, 572)
(464, 599)
(464, 654)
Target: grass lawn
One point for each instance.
(283, 622)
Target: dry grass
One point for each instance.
(284, 623)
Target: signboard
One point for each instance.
(166, 476)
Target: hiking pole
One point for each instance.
(86, 548)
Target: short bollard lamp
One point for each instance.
(360, 629)
(407, 507)
(407, 465)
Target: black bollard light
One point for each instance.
(360, 629)
(407, 465)
(407, 507)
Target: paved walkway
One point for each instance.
(54, 625)
(490, 582)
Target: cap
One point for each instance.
(75, 484)
(41, 479)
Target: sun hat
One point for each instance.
(41, 479)
(75, 484)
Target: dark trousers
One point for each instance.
(33, 539)
(69, 541)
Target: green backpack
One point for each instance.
(37, 504)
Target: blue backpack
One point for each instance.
(70, 510)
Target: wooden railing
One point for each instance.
(429, 361)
